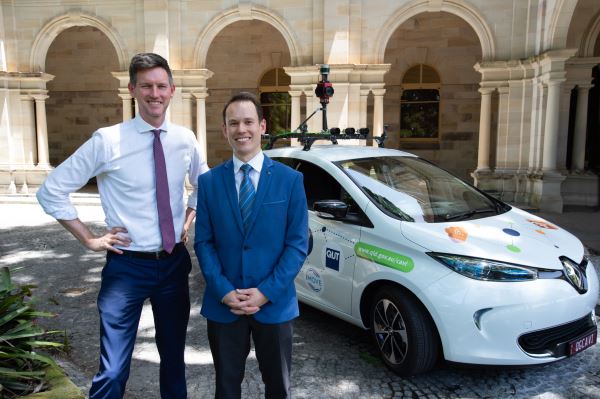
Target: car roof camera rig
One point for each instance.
(324, 91)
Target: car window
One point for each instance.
(415, 190)
(320, 185)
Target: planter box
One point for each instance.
(61, 387)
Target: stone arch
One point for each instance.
(52, 29)
(592, 35)
(456, 7)
(241, 13)
(558, 27)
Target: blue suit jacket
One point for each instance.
(268, 256)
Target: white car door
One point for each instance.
(327, 274)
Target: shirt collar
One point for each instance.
(142, 126)
(256, 162)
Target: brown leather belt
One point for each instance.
(156, 255)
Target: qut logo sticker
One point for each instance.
(332, 259)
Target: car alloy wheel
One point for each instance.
(390, 331)
(403, 331)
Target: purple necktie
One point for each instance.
(165, 216)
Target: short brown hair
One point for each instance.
(143, 61)
(244, 96)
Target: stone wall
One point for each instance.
(449, 45)
(83, 94)
(239, 56)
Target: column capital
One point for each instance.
(486, 90)
(122, 77)
(125, 96)
(199, 94)
(295, 93)
(584, 87)
(191, 78)
(40, 97)
(503, 90)
(554, 81)
(378, 92)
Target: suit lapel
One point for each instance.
(229, 184)
(262, 189)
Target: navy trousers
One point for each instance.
(126, 283)
(230, 346)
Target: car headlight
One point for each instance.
(485, 269)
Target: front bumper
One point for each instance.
(482, 322)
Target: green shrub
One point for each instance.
(21, 367)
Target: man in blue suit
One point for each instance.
(251, 241)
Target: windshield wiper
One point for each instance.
(469, 213)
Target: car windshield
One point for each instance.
(415, 190)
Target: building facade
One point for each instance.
(503, 93)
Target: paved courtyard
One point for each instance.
(332, 359)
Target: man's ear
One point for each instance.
(263, 126)
(131, 88)
(224, 130)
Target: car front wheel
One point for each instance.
(403, 332)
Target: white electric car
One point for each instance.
(434, 267)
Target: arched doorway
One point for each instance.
(276, 101)
(444, 45)
(240, 55)
(592, 143)
(83, 94)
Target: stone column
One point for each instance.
(29, 103)
(123, 78)
(127, 113)
(364, 97)
(485, 121)
(186, 112)
(42, 131)
(378, 111)
(578, 154)
(315, 124)
(296, 118)
(201, 120)
(551, 127)
(502, 132)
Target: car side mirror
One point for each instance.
(331, 209)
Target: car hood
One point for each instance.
(515, 236)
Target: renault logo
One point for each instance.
(574, 274)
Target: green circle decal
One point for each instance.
(513, 248)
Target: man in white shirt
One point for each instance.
(140, 166)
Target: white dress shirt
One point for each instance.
(122, 159)
(254, 174)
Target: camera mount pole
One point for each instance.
(324, 90)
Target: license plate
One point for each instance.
(581, 343)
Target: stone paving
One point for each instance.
(332, 359)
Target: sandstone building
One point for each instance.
(503, 93)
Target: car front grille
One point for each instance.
(553, 341)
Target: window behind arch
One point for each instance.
(420, 104)
(275, 100)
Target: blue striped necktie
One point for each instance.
(246, 195)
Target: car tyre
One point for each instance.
(403, 332)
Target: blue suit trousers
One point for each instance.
(126, 283)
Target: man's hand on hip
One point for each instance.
(106, 242)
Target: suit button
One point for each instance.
(246, 247)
